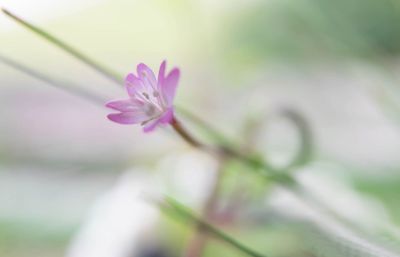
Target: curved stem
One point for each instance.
(305, 151)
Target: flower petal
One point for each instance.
(133, 84)
(161, 73)
(128, 117)
(125, 105)
(168, 87)
(146, 74)
(150, 126)
(165, 118)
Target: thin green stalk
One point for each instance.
(198, 243)
(257, 164)
(212, 132)
(110, 74)
(176, 209)
(66, 86)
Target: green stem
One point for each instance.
(66, 86)
(174, 208)
(266, 170)
(185, 135)
(212, 132)
(108, 73)
(197, 244)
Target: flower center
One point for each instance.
(151, 94)
(151, 110)
(146, 95)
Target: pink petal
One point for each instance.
(133, 84)
(150, 126)
(128, 117)
(168, 87)
(166, 118)
(161, 73)
(146, 74)
(125, 105)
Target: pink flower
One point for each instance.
(150, 101)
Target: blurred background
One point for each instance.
(71, 181)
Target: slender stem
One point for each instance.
(68, 87)
(267, 171)
(185, 134)
(198, 242)
(174, 208)
(225, 147)
(211, 131)
(113, 76)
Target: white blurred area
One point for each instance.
(350, 121)
(115, 215)
(330, 185)
(119, 221)
(123, 221)
(42, 10)
(334, 217)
